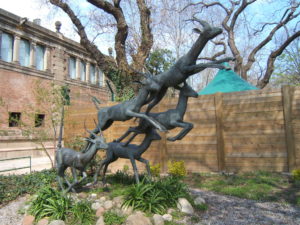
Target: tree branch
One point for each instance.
(122, 28)
(271, 60)
(145, 46)
(104, 62)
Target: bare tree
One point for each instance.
(115, 11)
(235, 14)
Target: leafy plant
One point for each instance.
(176, 168)
(120, 177)
(50, 203)
(155, 170)
(296, 174)
(201, 207)
(112, 218)
(82, 213)
(15, 185)
(155, 196)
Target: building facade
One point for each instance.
(32, 55)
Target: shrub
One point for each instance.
(176, 168)
(120, 177)
(155, 170)
(13, 186)
(296, 174)
(82, 213)
(50, 203)
(155, 196)
(112, 218)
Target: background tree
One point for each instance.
(159, 61)
(287, 67)
(252, 28)
(121, 66)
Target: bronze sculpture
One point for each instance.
(116, 150)
(152, 91)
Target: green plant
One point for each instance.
(296, 174)
(120, 177)
(50, 203)
(201, 207)
(298, 201)
(176, 168)
(155, 170)
(82, 213)
(13, 186)
(155, 196)
(125, 168)
(112, 218)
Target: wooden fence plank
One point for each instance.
(287, 94)
(220, 134)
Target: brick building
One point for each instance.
(30, 54)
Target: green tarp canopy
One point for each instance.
(226, 81)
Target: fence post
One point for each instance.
(219, 131)
(287, 93)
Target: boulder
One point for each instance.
(82, 195)
(118, 200)
(127, 210)
(96, 205)
(100, 211)
(28, 220)
(138, 218)
(43, 221)
(167, 217)
(184, 206)
(100, 221)
(102, 199)
(199, 201)
(158, 219)
(108, 204)
(57, 222)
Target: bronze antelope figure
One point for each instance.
(66, 157)
(133, 152)
(170, 119)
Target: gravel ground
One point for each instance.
(223, 210)
(228, 210)
(9, 213)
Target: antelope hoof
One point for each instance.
(171, 139)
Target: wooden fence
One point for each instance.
(241, 131)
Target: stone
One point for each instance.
(184, 206)
(57, 222)
(82, 195)
(108, 204)
(158, 219)
(100, 211)
(199, 201)
(96, 205)
(93, 196)
(102, 199)
(138, 218)
(28, 220)
(127, 210)
(100, 221)
(43, 221)
(170, 211)
(118, 200)
(167, 217)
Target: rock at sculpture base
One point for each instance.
(138, 218)
(184, 206)
(158, 219)
(28, 220)
(57, 222)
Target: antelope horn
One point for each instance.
(89, 130)
(98, 127)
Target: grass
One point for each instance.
(263, 186)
